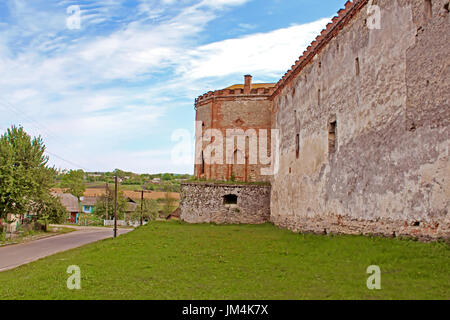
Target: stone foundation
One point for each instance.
(205, 203)
(336, 224)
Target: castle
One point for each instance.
(357, 132)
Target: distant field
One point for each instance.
(173, 260)
(136, 195)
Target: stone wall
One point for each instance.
(371, 111)
(204, 203)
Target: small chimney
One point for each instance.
(247, 84)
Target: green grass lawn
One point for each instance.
(172, 260)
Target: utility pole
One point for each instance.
(107, 200)
(115, 207)
(142, 203)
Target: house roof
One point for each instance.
(175, 214)
(69, 201)
(135, 195)
(89, 201)
(131, 206)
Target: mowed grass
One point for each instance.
(172, 260)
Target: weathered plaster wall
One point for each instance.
(204, 203)
(390, 172)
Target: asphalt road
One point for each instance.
(15, 255)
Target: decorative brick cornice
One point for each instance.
(236, 93)
(331, 30)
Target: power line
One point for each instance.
(40, 128)
(69, 162)
(37, 125)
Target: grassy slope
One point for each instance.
(178, 261)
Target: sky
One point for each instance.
(111, 83)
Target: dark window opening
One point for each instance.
(357, 66)
(297, 145)
(230, 199)
(446, 7)
(416, 223)
(428, 9)
(332, 137)
(202, 169)
(318, 97)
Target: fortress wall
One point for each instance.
(387, 93)
(204, 203)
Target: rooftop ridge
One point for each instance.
(264, 92)
(331, 30)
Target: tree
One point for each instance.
(167, 177)
(169, 201)
(73, 181)
(24, 174)
(149, 211)
(51, 209)
(105, 203)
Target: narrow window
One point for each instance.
(332, 137)
(357, 66)
(297, 145)
(202, 169)
(428, 9)
(230, 199)
(318, 97)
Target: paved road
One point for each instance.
(15, 255)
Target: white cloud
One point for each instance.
(263, 53)
(64, 85)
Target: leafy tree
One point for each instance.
(167, 176)
(24, 174)
(73, 181)
(149, 211)
(51, 209)
(169, 201)
(105, 203)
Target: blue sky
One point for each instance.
(112, 93)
